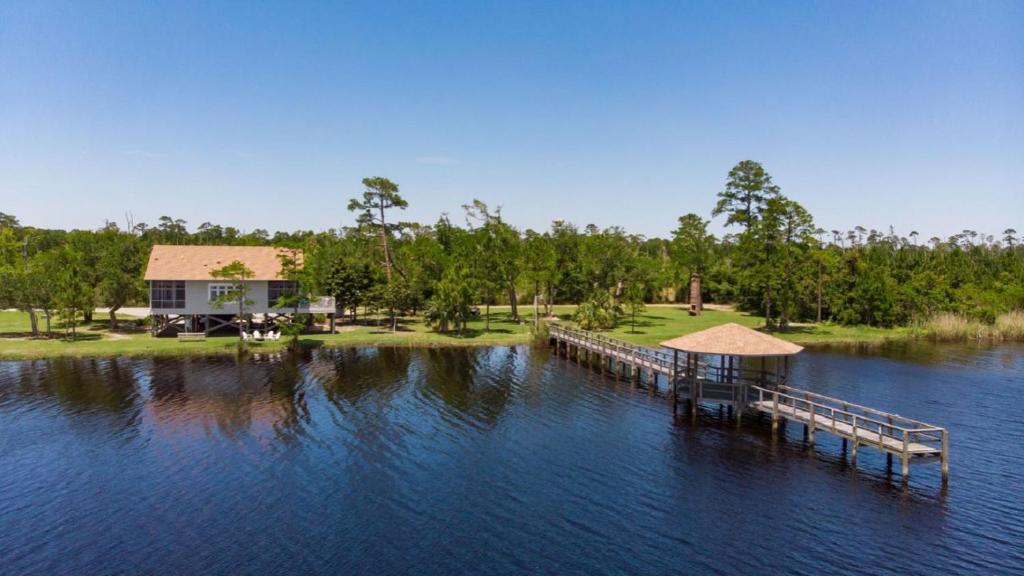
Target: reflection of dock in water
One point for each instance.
(745, 370)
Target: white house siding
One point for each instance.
(197, 301)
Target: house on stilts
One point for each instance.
(183, 291)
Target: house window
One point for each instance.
(278, 288)
(220, 290)
(167, 294)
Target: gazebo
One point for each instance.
(722, 362)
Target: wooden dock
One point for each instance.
(764, 392)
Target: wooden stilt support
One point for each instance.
(945, 457)
(672, 384)
(905, 457)
(692, 361)
(856, 443)
(775, 414)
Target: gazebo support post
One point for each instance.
(731, 343)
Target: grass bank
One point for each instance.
(97, 340)
(656, 324)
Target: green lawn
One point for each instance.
(656, 324)
(97, 340)
(660, 323)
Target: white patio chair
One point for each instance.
(256, 335)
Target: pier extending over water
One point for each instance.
(753, 383)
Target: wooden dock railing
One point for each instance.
(661, 362)
(891, 433)
(650, 358)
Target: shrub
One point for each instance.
(598, 312)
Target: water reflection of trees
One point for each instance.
(234, 395)
(478, 383)
(100, 385)
(348, 376)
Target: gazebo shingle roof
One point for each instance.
(196, 262)
(732, 340)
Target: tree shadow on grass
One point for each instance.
(123, 327)
(473, 333)
(788, 330)
(386, 329)
(56, 337)
(308, 344)
(22, 335)
(78, 337)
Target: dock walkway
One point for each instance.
(765, 393)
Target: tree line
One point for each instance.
(774, 261)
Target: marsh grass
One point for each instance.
(949, 327)
(1010, 326)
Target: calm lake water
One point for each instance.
(491, 461)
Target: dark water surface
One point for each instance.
(490, 461)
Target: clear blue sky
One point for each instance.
(869, 113)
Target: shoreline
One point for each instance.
(657, 323)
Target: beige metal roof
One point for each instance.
(196, 262)
(732, 340)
